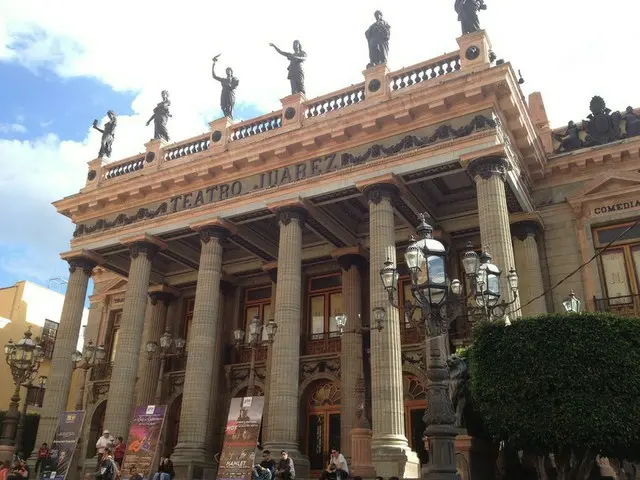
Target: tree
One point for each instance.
(563, 384)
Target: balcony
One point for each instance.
(627, 306)
(321, 343)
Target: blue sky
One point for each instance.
(64, 64)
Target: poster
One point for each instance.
(241, 438)
(68, 432)
(143, 439)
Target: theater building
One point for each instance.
(291, 216)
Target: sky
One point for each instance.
(65, 63)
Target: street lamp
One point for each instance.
(90, 357)
(571, 304)
(167, 347)
(379, 317)
(484, 279)
(437, 299)
(254, 342)
(24, 359)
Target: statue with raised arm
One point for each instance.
(378, 35)
(160, 117)
(229, 85)
(108, 134)
(467, 11)
(296, 72)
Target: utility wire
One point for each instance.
(596, 255)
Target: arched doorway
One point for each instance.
(323, 422)
(97, 424)
(415, 405)
(173, 426)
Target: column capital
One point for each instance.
(525, 228)
(351, 256)
(213, 231)
(486, 167)
(83, 259)
(144, 244)
(377, 192)
(162, 294)
(287, 213)
(272, 270)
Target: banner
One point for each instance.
(142, 443)
(68, 432)
(241, 438)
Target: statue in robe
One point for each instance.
(378, 35)
(467, 11)
(296, 72)
(229, 85)
(108, 134)
(160, 117)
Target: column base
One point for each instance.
(193, 462)
(391, 461)
(6, 452)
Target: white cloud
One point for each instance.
(144, 47)
(12, 128)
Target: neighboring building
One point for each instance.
(24, 305)
(291, 215)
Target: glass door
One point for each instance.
(323, 435)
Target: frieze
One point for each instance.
(414, 358)
(319, 366)
(286, 175)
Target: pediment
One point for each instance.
(116, 285)
(610, 184)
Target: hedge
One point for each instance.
(560, 382)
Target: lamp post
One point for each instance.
(90, 357)
(167, 347)
(23, 413)
(255, 341)
(24, 359)
(437, 298)
(571, 304)
(379, 317)
(484, 280)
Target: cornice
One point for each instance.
(312, 139)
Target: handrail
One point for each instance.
(123, 167)
(193, 145)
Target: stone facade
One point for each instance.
(287, 215)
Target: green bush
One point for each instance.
(560, 383)
(30, 430)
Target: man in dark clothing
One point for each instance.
(133, 471)
(267, 467)
(107, 469)
(43, 451)
(285, 469)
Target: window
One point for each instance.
(188, 315)
(35, 396)
(115, 336)
(257, 301)
(620, 264)
(404, 295)
(325, 302)
(49, 333)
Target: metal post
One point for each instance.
(158, 397)
(21, 427)
(11, 419)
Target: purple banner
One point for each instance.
(57, 464)
(142, 443)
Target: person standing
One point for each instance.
(43, 452)
(118, 451)
(108, 469)
(4, 470)
(285, 468)
(105, 441)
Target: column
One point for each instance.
(390, 450)
(155, 326)
(192, 441)
(350, 347)
(59, 382)
(527, 258)
(125, 367)
(490, 174)
(214, 406)
(285, 354)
